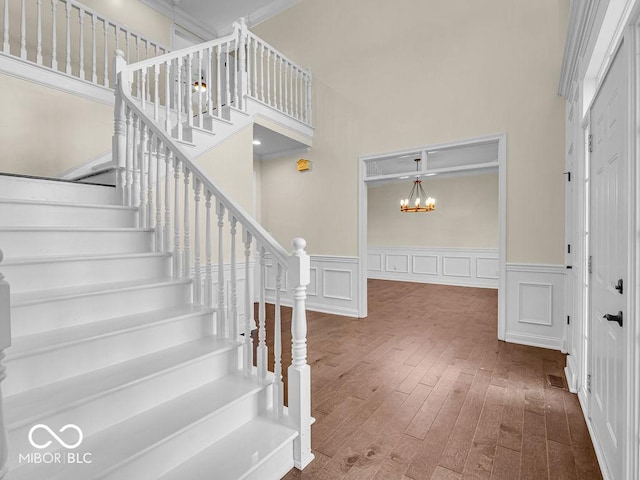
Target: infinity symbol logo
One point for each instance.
(53, 434)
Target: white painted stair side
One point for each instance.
(98, 400)
(31, 188)
(39, 311)
(43, 273)
(51, 356)
(259, 450)
(50, 214)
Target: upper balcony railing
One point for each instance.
(70, 38)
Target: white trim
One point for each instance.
(42, 75)
(536, 268)
(502, 218)
(271, 9)
(87, 167)
(533, 340)
(549, 290)
(181, 18)
(437, 257)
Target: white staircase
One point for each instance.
(105, 338)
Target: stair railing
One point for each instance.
(87, 44)
(155, 171)
(5, 342)
(277, 81)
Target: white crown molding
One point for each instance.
(263, 14)
(182, 18)
(41, 75)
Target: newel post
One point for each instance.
(299, 372)
(119, 140)
(5, 341)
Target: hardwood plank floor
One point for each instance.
(423, 390)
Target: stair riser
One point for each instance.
(116, 406)
(40, 243)
(276, 466)
(183, 446)
(48, 367)
(50, 215)
(40, 317)
(37, 189)
(26, 277)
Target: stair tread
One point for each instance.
(161, 423)
(74, 258)
(236, 455)
(52, 339)
(38, 296)
(102, 206)
(40, 402)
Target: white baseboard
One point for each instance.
(467, 267)
(572, 381)
(535, 305)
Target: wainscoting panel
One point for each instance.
(535, 305)
(449, 266)
(333, 286)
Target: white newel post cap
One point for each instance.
(5, 309)
(299, 263)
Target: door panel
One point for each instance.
(609, 229)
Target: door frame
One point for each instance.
(501, 138)
(630, 34)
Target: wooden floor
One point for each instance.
(421, 389)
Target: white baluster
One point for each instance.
(143, 82)
(142, 208)
(278, 390)
(262, 330)
(269, 76)
(221, 312)
(233, 308)
(188, 87)
(166, 231)
(309, 117)
(116, 30)
(81, 20)
(150, 176)
(247, 344)
(156, 92)
(54, 38)
(5, 342)
(148, 90)
(242, 65)
(39, 32)
(299, 372)
(158, 230)
(135, 167)
(68, 31)
(262, 72)
(94, 71)
(209, 86)
(285, 100)
(186, 262)
(197, 285)
(167, 96)
(5, 42)
(255, 68)
(177, 253)
(129, 160)
(200, 81)
(218, 82)
(127, 41)
(280, 105)
(118, 142)
(23, 31)
(105, 25)
(179, 96)
(227, 67)
(208, 284)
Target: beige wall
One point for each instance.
(45, 131)
(466, 214)
(402, 74)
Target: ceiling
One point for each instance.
(274, 145)
(218, 15)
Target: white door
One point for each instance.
(609, 250)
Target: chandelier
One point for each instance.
(417, 192)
